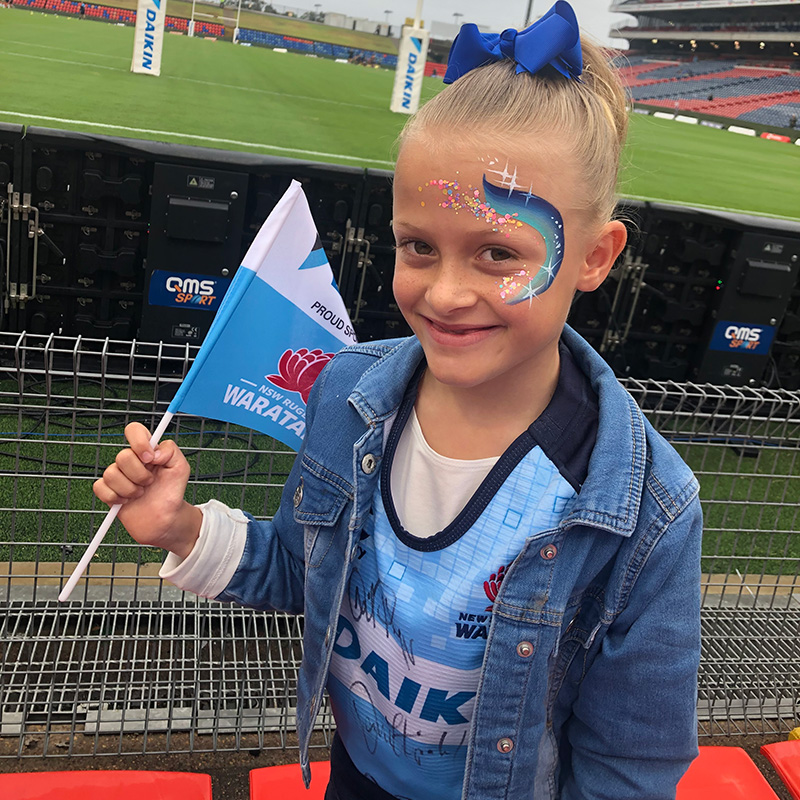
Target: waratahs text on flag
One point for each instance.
(281, 320)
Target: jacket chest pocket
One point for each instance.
(318, 501)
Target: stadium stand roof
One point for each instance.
(766, 30)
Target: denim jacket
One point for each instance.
(600, 699)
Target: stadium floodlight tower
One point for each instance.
(763, 30)
(148, 39)
(411, 58)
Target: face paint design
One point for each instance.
(531, 210)
(512, 285)
(469, 199)
(506, 209)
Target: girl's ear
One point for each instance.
(602, 254)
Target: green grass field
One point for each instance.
(74, 75)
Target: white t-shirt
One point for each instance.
(428, 489)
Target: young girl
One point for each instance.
(496, 555)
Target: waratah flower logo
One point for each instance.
(492, 586)
(299, 369)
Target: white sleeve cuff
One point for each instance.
(208, 569)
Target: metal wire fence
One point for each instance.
(131, 665)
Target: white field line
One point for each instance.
(66, 49)
(234, 87)
(691, 204)
(177, 134)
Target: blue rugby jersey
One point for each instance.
(413, 627)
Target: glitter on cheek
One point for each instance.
(512, 285)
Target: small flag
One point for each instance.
(281, 320)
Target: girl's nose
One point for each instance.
(449, 288)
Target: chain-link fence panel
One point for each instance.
(131, 665)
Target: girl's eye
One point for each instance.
(495, 254)
(416, 248)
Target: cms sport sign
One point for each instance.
(182, 290)
(411, 58)
(148, 41)
(739, 337)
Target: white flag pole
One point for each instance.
(106, 524)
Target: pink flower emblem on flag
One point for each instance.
(299, 369)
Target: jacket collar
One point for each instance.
(380, 390)
(609, 498)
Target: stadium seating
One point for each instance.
(724, 773)
(718, 87)
(785, 757)
(286, 783)
(120, 15)
(119, 784)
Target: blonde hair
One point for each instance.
(591, 115)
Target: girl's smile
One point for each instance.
(463, 335)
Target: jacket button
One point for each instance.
(524, 649)
(368, 463)
(328, 636)
(298, 494)
(505, 745)
(548, 552)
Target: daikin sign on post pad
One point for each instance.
(411, 60)
(148, 40)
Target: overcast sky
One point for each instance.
(593, 15)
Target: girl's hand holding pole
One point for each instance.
(149, 483)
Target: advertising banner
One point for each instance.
(411, 59)
(148, 39)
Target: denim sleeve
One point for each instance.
(271, 572)
(634, 728)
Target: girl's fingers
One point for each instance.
(169, 455)
(114, 487)
(139, 439)
(130, 466)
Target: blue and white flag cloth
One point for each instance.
(281, 320)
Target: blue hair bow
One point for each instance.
(554, 39)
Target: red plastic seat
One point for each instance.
(724, 773)
(785, 757)
(102, 784)
(286, 783)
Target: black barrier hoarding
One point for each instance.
(193, 250)
(121, 238)
(686, 271)
(204, 218)
(13, 222)
(92, 198)
(370, 300)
